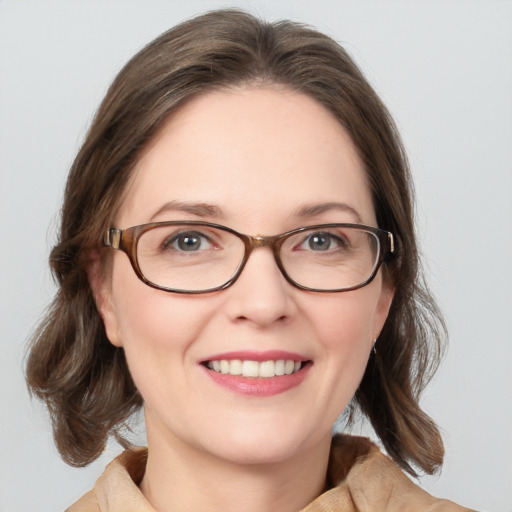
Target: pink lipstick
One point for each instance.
(257, 373)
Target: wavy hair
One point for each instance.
(71, 365)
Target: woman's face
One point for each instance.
(261, 161)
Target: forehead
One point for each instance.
(253, 153)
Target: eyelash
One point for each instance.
(175, 238)
(341, 242)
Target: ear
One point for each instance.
(383, 305)
(101, 289)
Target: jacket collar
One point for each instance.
(359, 479)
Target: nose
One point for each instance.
(261, 296)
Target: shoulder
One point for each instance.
(361, 477)
(87, 503)
(117, 489)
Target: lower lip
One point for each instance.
(260, 387)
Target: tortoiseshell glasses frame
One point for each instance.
(381, 246)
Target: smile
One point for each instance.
(249, 368)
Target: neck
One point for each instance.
(182, 478)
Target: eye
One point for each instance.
(324, 241)
(190, 241)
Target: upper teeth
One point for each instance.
(255, 368)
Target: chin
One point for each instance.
(264, 444)
(257, 453)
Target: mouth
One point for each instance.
(255, 369)
(257, 374)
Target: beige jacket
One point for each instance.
(360, 477)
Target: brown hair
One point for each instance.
(84, 379)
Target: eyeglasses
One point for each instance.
(201, 257)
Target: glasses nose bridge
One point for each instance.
(257, 241)
(262, 241)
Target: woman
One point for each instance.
(237, 254)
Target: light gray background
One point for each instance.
(444, 68)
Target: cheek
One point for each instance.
(344, 326)
(156, 329)
(346, 319)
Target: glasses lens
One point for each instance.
(189, 257)
(331, 258)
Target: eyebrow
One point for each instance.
(318, 209)
(197, 209)
(206, 210)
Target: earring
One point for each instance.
(374, 350)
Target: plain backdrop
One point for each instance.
(444, 68)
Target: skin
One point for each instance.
(258, 155)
